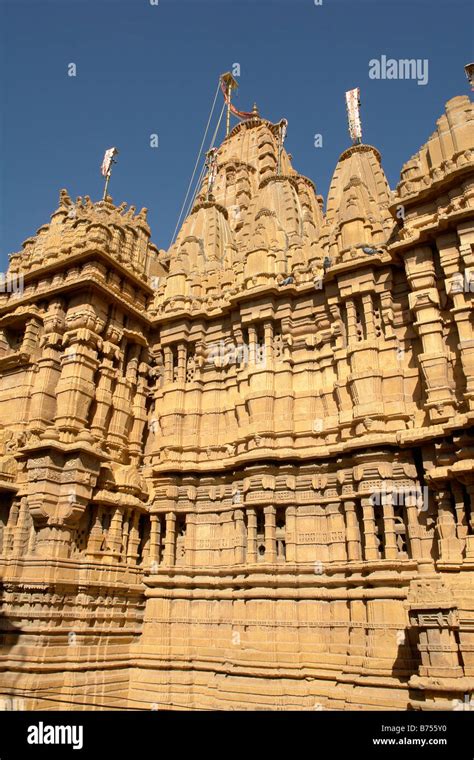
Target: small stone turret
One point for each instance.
(357, 212)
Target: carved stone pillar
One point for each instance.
(291, 534)
(76, 387)
(251, 535)
(240, 537)
(353, 537)
(336, 529)
(103, 397)
(168, 362)
(270, 534)
(252, 344)
(20, 536)
(190, 540)
(368, 308)
(139, 414)
(412, 512)
(43, 392)
(268, 357)
(424, 303)
(450, 547)
(470, 493)
(352, 336)
(182, 362)
(391, 549)
(30, 336)
(48, 368)
(124, 392)
(462, 527)
(458, 290)
(155, 541)
(370, 538)
(169, 557)
(10, 528)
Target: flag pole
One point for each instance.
(230, 84)
(106, 168)
(229, 95)
(106, 187)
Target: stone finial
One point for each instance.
(64, 199)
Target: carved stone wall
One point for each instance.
(239, 474)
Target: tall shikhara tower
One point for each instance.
(239, 474)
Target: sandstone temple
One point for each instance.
(238, 474)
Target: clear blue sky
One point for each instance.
(145, 69)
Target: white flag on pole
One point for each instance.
(353, 103)
(108, 160)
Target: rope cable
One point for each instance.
(197, 161)
(203, 170)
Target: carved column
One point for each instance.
(139, 414)
(462, 527)
(291, 534)
(270, 534)
(168, 362)
(124, 392)
(391, 549)
(181, 362)
(424, 303)
(48, 368)
(368, 308)
(103, 397)
(470, 493)
(76, 387)
(155, 540)
(354, 547)
(10, 528)
(43, 392)
(469, 553)
(336, 529)
(352, 336)
(450, 548)
(268, 328)
(458, 290)
(251, 535)
(252, 344)
(241, 538)
(20, 536)
(30, 336)
(414, 529)
(126, 527)
(169, 557)
(190, 540)
(370, 542)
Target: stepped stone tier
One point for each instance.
(238, 474)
